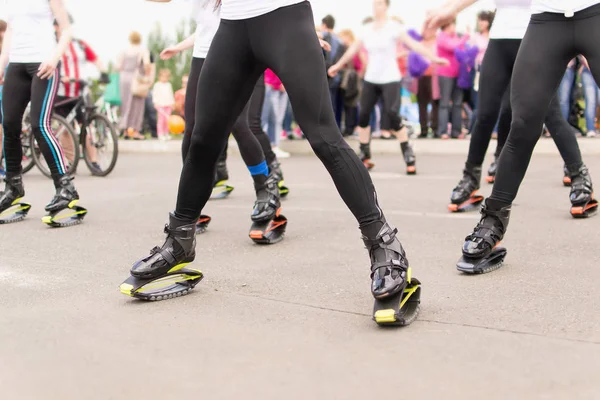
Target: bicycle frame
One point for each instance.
(82, 105)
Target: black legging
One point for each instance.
(551, 41)
(21, 86)
(504, 120)
(285, 41)
(249, 146)
(496, 72)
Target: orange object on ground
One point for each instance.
(176, 124)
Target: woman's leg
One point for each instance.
(446, 87)
(495, 79)
(563, 135)
(457, 103)
(138, 105)
(254, 119)
(368, 100)
(589, 93)
(393, 122)
(546, 49)
(588, 43)
(15, 96)
(125, 81)
(190, 104)
(286, 42)
(423, 99)
(295, 56)
(351, 120)
(265, 185)
(504, 121)
(391, 107)
(42, 99)
(248, 144)
(435, 114)
(229, 74)
(162, 123)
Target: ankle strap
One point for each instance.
(181, 232)
(386, 238)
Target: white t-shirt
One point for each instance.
(567, 7)
(245, 9)
(511, 20)
(207, 23)
(33, 36)
(162, 94)
(381, 44)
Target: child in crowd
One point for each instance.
(164, 101)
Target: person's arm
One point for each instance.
(5, 50)
(363, 64)
(91, 56)
(347, 57)
(47, 68)
(446, 13)
(185, 44)
(423, 50)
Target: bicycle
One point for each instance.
(109, 110)
(84, 126)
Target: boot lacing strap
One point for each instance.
(486, 229)
(385, 240)
(174, 234)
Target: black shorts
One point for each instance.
(390, 114)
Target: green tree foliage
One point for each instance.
(179, 65)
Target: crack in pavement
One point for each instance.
(432, 321)
(8, 273)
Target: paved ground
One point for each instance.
(293, 321)
(589, 146)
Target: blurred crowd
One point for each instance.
(437, 101)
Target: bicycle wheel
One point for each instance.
(67, 138)
(100, 145)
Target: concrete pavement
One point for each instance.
(293, 320)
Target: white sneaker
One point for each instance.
(280, 153)
(591, 134)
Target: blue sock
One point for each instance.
(260, 169)
(259, 172)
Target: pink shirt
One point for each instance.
(446, 45)
(272, 80)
